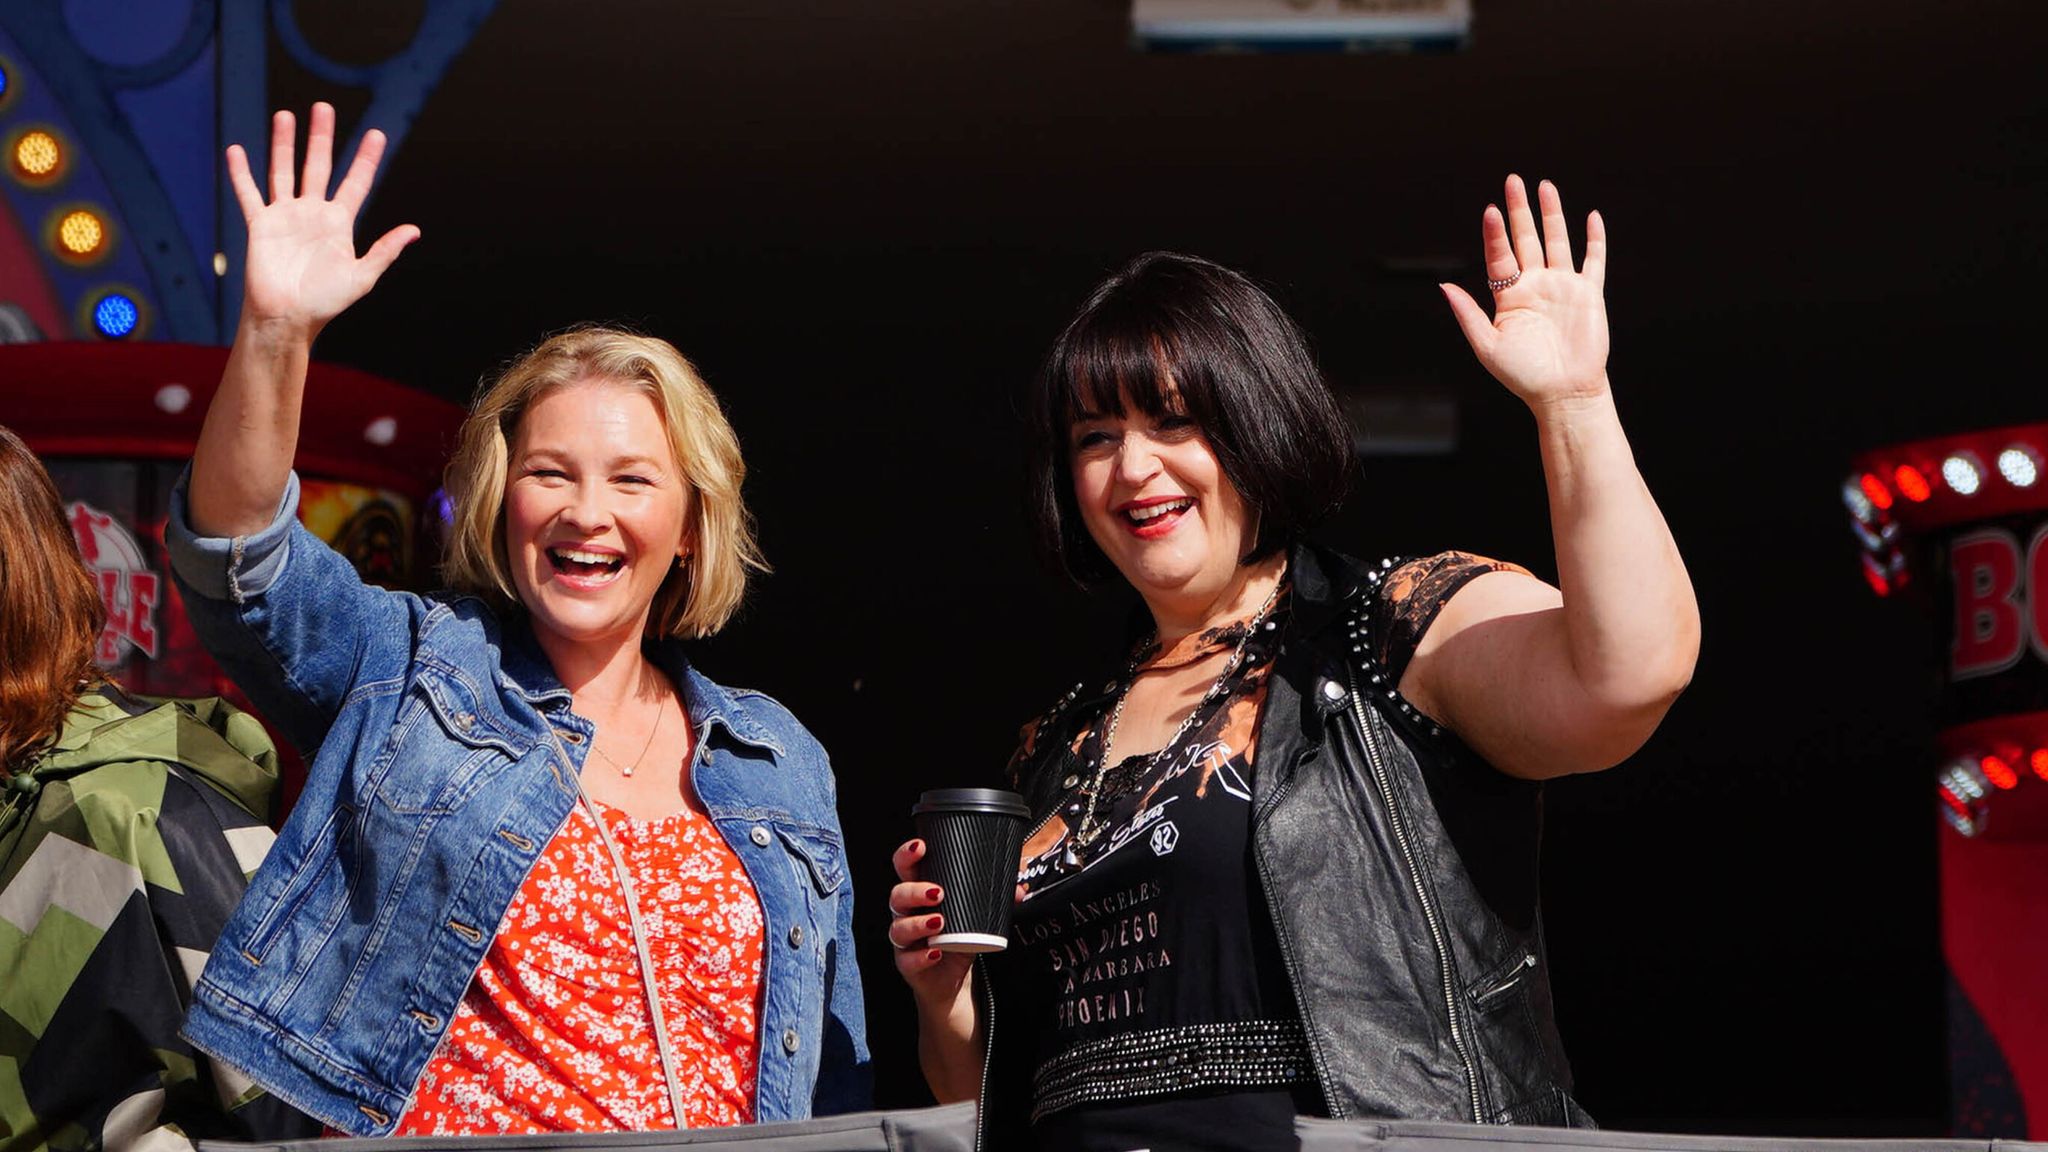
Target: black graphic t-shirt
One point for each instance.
(1157, 928)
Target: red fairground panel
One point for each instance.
(115, 424)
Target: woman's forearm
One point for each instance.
(245, 449)
(1630, 616)
(950, 1046)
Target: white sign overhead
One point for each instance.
(1301, 25)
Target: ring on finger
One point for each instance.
(1505, 283)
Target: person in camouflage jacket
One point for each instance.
(128, 830)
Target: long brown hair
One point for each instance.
(50, 611)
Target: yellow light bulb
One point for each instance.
(37, 154)
(81, 233)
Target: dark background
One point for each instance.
(866, 221)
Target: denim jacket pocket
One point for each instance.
(317, 883)
(823, 858)
(441, 739)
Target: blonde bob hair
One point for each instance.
(697, 598)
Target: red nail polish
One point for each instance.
(933, 922)
(932, 955)
(931, 894)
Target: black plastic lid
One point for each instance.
(994, 800)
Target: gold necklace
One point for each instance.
(1084, 835)
(627, 770)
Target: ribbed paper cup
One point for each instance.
(972, 837)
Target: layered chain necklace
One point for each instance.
(1088, 831)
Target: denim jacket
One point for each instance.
(447, 758)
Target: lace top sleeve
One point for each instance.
(1412, 595)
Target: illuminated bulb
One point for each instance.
(1998, 771)
(1912, 485)
(2039, 762)
(1961, 790)
(116, 316)
(220, 263)
(1859, 505)
(1875, 489)
(1962, 474)
(2019, 467)
(1874, 574)
(381, 431)
(81, 233)
(37, 154)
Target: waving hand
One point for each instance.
(302, 266)
(1547, 339)
(302, 271)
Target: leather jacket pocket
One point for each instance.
(1553, 1108)
(1497, 987)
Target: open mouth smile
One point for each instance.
(1155, 517)
(584, 567)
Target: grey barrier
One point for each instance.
(951, 1129)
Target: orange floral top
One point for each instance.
(554, 1034)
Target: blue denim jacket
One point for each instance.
(436, 784)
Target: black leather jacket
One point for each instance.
(1400, 871)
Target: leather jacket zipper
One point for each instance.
(1287, 959)
(1429, 914)
(988, 1046)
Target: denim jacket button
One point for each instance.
(796, 936)
(759, 835)
(789, 1040)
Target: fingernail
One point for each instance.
(933, 922)
(932, 894)
(932, 955)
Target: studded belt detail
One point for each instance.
(1159, 1061)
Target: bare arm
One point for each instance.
(302, 272)
(1547, 681)
(949, 1036)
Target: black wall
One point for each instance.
(865, 222)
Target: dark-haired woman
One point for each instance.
(127, 831)
(1283, 857)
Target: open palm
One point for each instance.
(1547, 338)
(302, 265)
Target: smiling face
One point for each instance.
(1156, 501)
(597, 512)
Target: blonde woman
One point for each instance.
(545, 874)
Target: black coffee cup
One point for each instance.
(972, 837)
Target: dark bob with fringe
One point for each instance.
(1177, 332)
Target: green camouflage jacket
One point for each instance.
(122, 850)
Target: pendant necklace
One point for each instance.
(627, 770)
(1087, 831)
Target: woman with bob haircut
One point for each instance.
(545, 874)
(127, 829)
(1283, 857)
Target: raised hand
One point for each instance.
(1547, 339)
(302, 265)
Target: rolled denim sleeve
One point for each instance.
(288, 618)
(229, 568)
